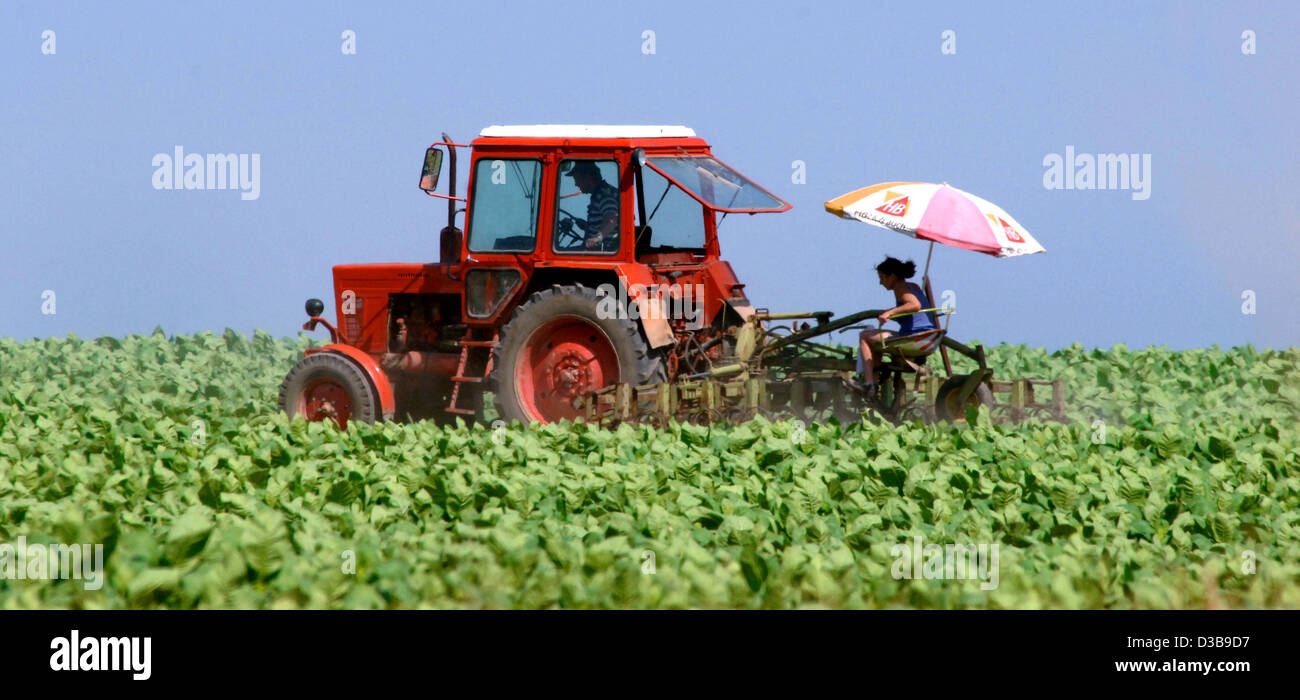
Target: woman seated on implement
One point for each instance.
(893, 274)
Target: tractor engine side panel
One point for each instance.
(362, 297)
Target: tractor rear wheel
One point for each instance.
(946, 406)
(325, 386)
(558, 346)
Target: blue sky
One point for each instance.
(860, 92)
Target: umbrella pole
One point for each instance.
(929, 293)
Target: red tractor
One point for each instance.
(589, 257)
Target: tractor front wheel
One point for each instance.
(328, 386)
(558, 346)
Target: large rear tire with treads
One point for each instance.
(556, 347)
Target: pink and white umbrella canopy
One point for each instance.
(939, 213)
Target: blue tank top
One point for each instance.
(916, 323)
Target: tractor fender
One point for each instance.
(379, 380)
(742, 307)
(728, 288)
(636, 278)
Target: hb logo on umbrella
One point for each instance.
(897, 207)
(1011, 233)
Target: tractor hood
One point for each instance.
(713, 183)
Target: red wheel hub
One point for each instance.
(562, 360)
(326, 399)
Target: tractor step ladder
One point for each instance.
(461, 378)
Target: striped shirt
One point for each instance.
(603, 205)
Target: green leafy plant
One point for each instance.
(1175, 470)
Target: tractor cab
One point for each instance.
(592, 194)
(579, 256)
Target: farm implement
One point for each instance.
(780, 375)
(588, 283)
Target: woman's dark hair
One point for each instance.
(896, 267)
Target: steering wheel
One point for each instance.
(570, 238)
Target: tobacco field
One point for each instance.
(1175, 484)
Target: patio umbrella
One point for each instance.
(939, 214)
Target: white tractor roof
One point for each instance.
(588, 131)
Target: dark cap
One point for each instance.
(584, 167)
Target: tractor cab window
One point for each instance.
(715, 185)
(504, 207)
(674, 219)
(587, 217)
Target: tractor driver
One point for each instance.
(601, 225)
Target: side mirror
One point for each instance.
(432, 167)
